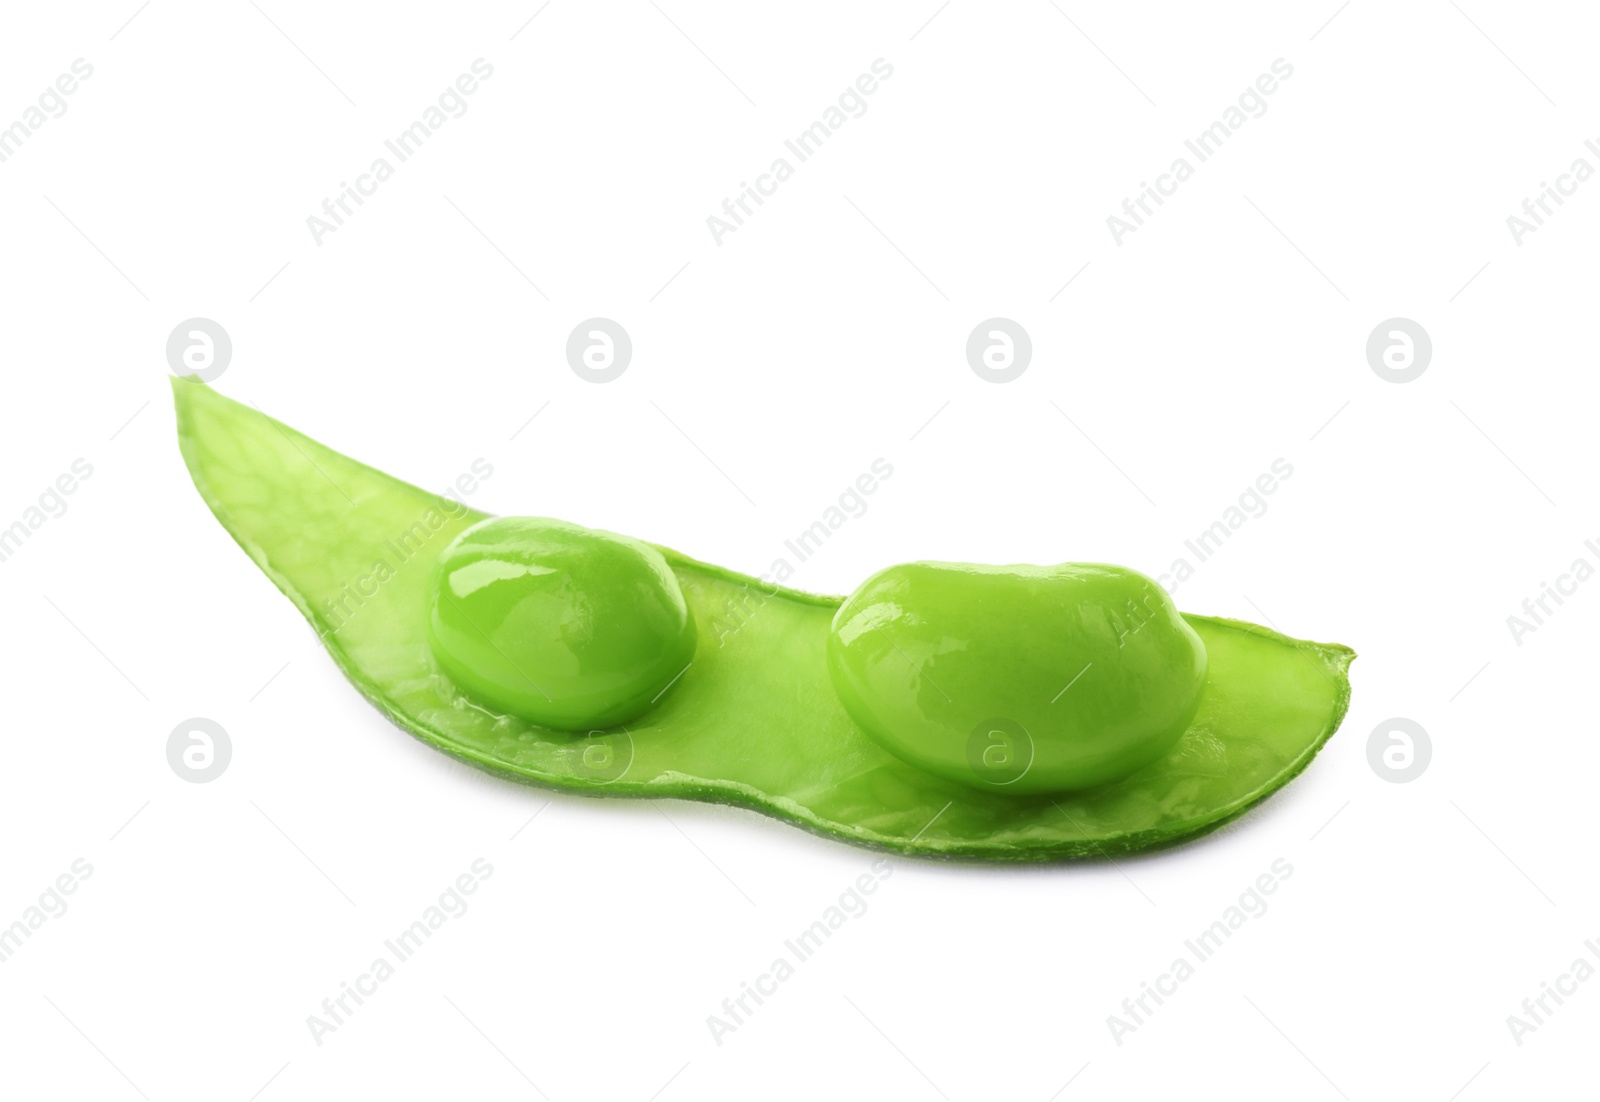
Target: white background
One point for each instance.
(1226, 333)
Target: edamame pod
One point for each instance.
(754, 719)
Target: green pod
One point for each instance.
(755, 719)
